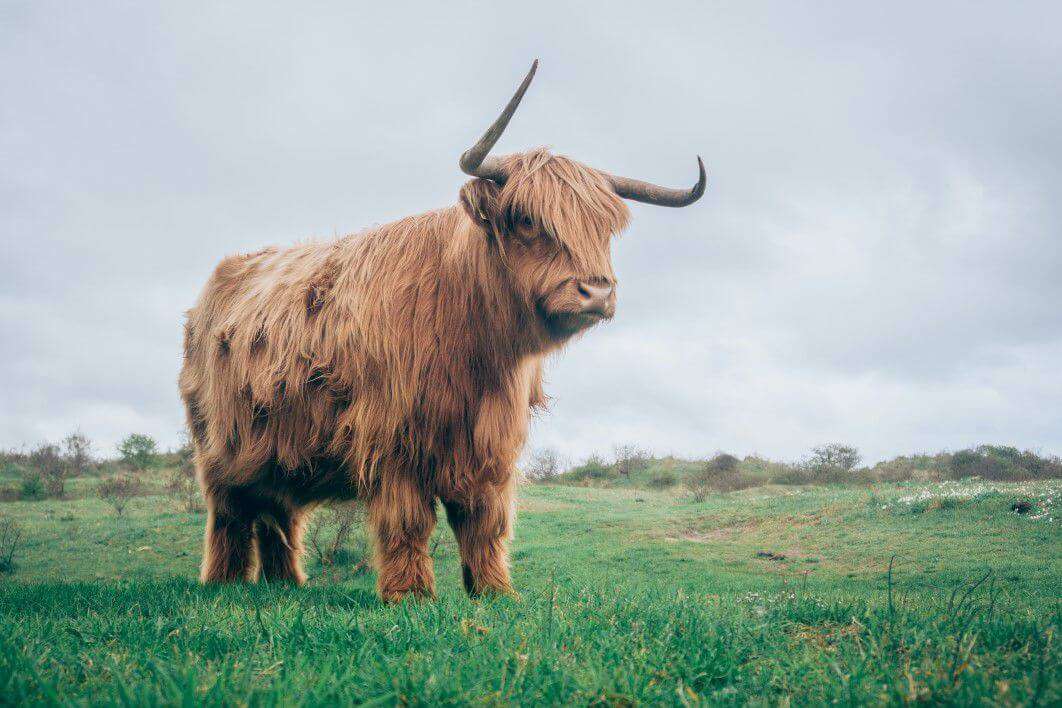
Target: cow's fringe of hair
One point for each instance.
(567, 200)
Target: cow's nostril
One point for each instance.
(596, 299)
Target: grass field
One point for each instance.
(764, 596)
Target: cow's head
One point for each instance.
(552, 220)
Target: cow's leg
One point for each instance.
(279, 534)
(402, 516)
(483, 526)
(228, 547)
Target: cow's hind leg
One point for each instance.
(483, 526)
(403, 517)
(228, 547)
(279, 532)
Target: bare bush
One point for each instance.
(628, 459)
(118, 490)
(543, 465)
(330, 532)
(12, 456)
(10, 543)
(77, 449)
(182, 483)
(52, 469)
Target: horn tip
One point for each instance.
(702, 180)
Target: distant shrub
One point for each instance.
(990, 462)
(11, 470)
(832, 464)
(118, 490)
(966, 463)
(77, 449)
(138, 452)
(924, 474)
(109, 468)
(793, 475)
(10, 543)
(16, 458)
(1002, 463)
(662, 479)
(699, 492)
(543, 465)
(722, 473)
(51, 468)
(762, 468)
(182, 484)
(593, 468)
(629, 459)
(900, 469)
(915, 468)
(1038, 467)
(32, 487)
(829, 474)
(844, 457)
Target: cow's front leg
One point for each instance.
(483, 525)
(403, 517)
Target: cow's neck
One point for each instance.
(491, 330)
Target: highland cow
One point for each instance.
(398, 366)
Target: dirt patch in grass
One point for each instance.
(720, 533)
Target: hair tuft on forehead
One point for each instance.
(572, 202)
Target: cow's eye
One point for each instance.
(526, 221)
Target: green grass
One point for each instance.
(628, 596)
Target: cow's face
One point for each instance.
(566, 298)
(552, 225)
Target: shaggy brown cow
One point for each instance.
(398, 366)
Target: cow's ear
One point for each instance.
(479, 197)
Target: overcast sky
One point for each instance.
(878, 258)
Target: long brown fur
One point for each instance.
(397, 366)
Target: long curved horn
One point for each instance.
(474, 161)
(661, 196)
